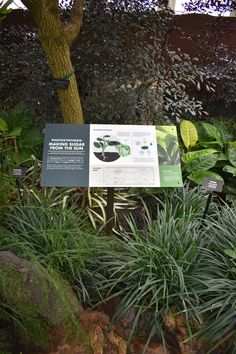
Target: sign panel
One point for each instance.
(100, 155)
(65, 155)
(213, 185)
(19, 171)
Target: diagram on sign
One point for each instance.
(144, 147)
(100, 155)
(108, 148)
(123, 155)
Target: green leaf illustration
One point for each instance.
(199, 177)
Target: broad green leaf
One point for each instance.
(15, 132)
(114, 143)
(225, 131)
(98, 145)
(3, 126)
(161, 151)
(222, 157)
(189, 156)
(212, 132)
(199, 177)
(30, 138)
(188, 133)
(210, 144)
(232, 154)
(231, 253)
(230, 169)
(167, 129)
(171, 148)
(170, 139)
(201, 163)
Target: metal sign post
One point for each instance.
(19, 172)
(110, 216)
(211, 186)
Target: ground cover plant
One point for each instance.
(55, 235)
(219, 301)
(158, 270)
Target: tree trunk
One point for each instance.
(56, 39)
(58, 55)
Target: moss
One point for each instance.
(35, 301)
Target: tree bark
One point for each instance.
(56, 39)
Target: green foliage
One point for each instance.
(4, 9)
(19, 138)
(183, 202)
(219, 298)
(168, 151)
(159, 270)
(188, 133)
(7, 191)
(213, 153)
(95, 202)
(56, 235)
(151, 79)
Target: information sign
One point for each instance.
(213, 185)
(100, 155)
(19, 171)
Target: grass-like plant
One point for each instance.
(56, 236)
(180, 202)
(220, 296)
(158, 270)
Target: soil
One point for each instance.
(100, 337)
(109, 156)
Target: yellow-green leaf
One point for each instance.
(3, 126)
(188, 133)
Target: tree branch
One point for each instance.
(35, 6)
(72, 28)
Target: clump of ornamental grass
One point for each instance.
(158, 270)
(220, 296)
(59, 237)
(180, 202)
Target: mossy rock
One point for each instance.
(41, 299)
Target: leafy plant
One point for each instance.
(19, 138)
(55, 235)
(167, 147)
(219, 298)
(188, 134)
(4, 8)
(103, 143)
(158, 270)
(210, 152)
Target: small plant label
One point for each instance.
(19, 171)
(213, 185)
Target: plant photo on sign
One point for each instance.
(107, 148)
(167, 147)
